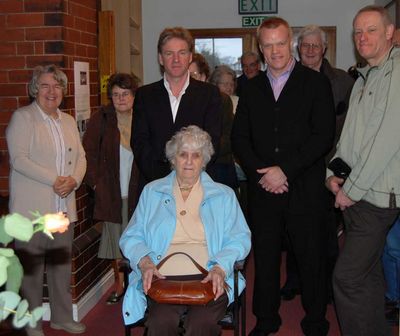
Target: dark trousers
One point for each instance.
(334, 217)
(55, 255)
(358, 282)
(307, 234)
(164, 319)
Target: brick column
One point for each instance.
(34, 32)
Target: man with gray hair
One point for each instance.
(312, 46)
(370, 196)
(251, 66)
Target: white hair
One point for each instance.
(192, 138)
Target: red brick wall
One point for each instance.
(34, 32)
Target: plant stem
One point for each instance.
(14, 311)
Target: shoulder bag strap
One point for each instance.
(199, 267)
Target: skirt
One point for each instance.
(110, 235)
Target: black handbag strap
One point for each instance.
(199, 267)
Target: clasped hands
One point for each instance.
(273, 180)
(216, 275)
(64, 185)
(334, 184)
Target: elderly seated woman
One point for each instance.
(185, 211)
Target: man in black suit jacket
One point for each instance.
(283, 128)
(164, 107)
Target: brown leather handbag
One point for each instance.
(182, 292)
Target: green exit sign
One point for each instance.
(253, 21)
(258, 6)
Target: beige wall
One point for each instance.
(158, 14)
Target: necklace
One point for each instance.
(185, 188)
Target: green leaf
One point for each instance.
(4, 237)
(19, 227)
(15, 272)
(2, 303)
(37, 314)
(10, 300)
(22, 322)
(6, 252)
(4, 263)
(22, 309)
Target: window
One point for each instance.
(224, 50)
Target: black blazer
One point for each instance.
(153, 126)
(294, 133)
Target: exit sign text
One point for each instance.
(258, 6)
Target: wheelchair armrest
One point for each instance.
(239, 265)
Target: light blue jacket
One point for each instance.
(152, 228)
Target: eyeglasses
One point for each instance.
(311, 46)
(123, 95)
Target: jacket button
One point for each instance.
(276, 129)
(158, 257)
(69, 149)
(127, 313)
(69, 162)
(276, 149)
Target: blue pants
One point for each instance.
(391, 262)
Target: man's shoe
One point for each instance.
(114, 298)
(34, 332)
(289, 294)
(71, 327)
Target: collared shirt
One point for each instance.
(278, 83)
(54, 127)
(175, 101)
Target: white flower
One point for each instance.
(57, 222)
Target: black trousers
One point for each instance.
(307, 233)
(334, 217)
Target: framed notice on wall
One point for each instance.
(82, 94)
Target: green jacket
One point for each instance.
(370, 140)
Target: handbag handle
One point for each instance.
(199, 267)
